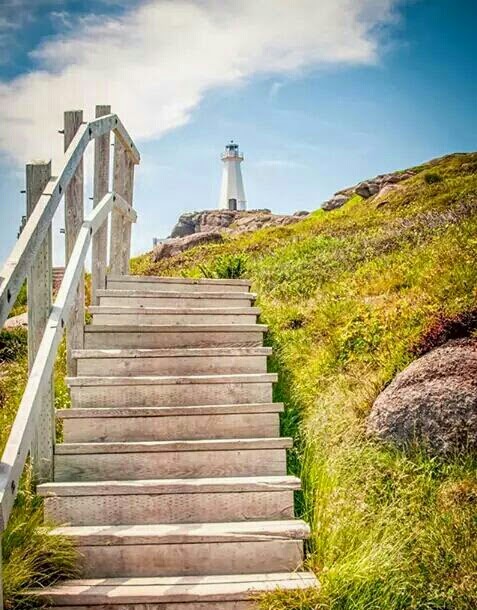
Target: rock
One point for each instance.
(171, 247)
(185, 225)
(17, 321)
(367, 189)
(231, 222)
(301, 213)
(432, 402)
(337, 201)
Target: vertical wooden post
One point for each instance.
(74, 213)
(123, 184)
(39, 284)
(101, 184)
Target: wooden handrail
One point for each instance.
(21, 435)
(33, 431)
(26, 248)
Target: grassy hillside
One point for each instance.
(351, 297)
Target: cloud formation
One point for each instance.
(155, 63)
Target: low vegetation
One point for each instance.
(30, 556)
(351, 297)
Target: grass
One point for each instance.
(351, 297)
(30, 556)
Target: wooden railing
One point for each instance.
(33, 431)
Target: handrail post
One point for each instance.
(39, 284)
(123, 184)
(74, 213)
(101, 187)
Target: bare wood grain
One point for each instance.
(74, 213)
(39, 306)
(101, 187)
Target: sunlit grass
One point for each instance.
(350, 297)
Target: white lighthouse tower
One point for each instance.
(232, 195)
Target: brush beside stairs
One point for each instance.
(171, 479)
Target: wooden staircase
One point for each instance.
(172, 476)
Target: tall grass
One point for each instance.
(351, 296)
(31, 557)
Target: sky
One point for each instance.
(319, 94)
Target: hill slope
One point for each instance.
(351, 297)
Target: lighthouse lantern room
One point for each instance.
(232, 194)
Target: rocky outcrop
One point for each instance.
(173, 246)
(194, 228)
(433, 402)
(376, 187)
(230, 221)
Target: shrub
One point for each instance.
(230, 266)
(432, 178)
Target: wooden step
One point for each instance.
(170, 500)
(150, 391)
(171, 459)
(187, 335)
(123, 362)
(218, 592)
(171, 298)
(188, 549)
(169, 315)
(169, 423)
(177, 284)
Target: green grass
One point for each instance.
(351, 297)
(30, 556)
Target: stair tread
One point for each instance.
(171, 352)
(170, 589)
(124, 309)
(144, 293)
(178, 280)
(89, 380)
(245, 408)
(170, 486)
(179, 533)
(174, 328)
(245, 444)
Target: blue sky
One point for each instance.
(317, 99)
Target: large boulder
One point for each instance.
(176, 245)
(433, 402)
(337, 201)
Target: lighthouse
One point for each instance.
(232, 194)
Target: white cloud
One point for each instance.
(156, 62)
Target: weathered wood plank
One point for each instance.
(74, 214)
(99, 255)
(184, 592)
(152, 508)
(123, 184)
(163, 465)
(108, 429)
(39, 284)
(170, 486)
(191, 559)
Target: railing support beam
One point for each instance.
(101, 186)
(123, 184)
(74, 197)
(39, 284)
